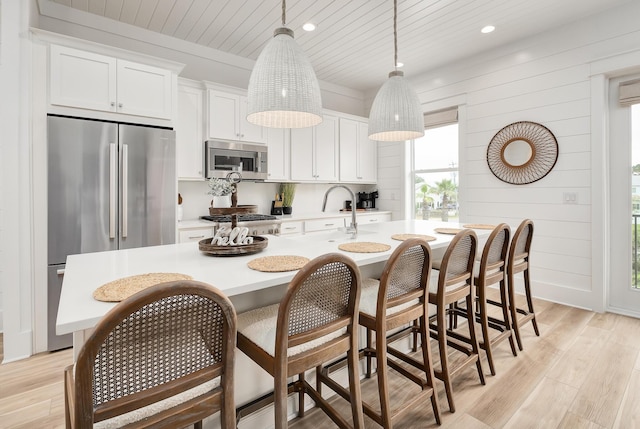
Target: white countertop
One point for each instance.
(199, 223)
(86, 272)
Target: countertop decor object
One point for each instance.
(120, 289)
(283, 88)
(259, 243)
(278, 263)
(402, 237)
(396, 114)
(522, 152)
(450, 231)
(364, 247)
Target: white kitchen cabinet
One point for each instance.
(372, 217)
(88, 80)
(189, 129)
(194, 234)
(314, 152)
(325, 224)
(227, 118)
(358, 154)
(279, 155)
(293, 227)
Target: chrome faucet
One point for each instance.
(353, 228)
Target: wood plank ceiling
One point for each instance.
(353, 43)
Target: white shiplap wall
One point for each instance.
(547, 79)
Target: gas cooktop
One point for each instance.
(250, 217)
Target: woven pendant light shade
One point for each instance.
(396, 114)
(283, 88)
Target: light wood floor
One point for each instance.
(582, 372)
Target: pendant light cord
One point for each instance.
(284, 13)
(395, 34)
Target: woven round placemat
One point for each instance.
(364, 247)
(123, 288)
(478, 226)
(278, 263)
(402, 237)
(450, 231)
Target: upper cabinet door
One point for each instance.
(302, 155)
(326, 149)
(248, 131)
(82, 79)
(279, 153)
(367, 155)
(223, 113)
(189, 141)
(143, 90)
(349, 131)
(358, 154)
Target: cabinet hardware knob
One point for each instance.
(119, 104)
(113, 103)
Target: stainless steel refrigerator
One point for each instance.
(110, 186)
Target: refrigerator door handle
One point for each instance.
(112, 190)
(125, 189)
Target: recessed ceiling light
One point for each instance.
(399, 64)
(487, 29)
(309, 26)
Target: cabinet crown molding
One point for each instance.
(48, 37)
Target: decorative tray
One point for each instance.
(242, 209)
(258, 244)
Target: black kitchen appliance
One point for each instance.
(367, 200)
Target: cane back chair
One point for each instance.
(450, 284)
(162, 358)
(315, 322)
(394, 301)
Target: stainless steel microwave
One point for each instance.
(223, 157)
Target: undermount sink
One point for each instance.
(342, 236)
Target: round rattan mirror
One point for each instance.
(522, 152)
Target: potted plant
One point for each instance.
(288, 191)
(221, 189)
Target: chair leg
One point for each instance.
(481, 303)
(383, 381)
(354, 385)
(527, 288)
(368, 354)
(428, 367)
(301, 395)
(280, 400)
(197, 425)
(414, 331)
(444, 359)
(514, 312)
(472, 334)
(504, 301)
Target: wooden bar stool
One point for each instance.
(397, 299)
(518, 262)
(315, 322)
(492, 270)
(453, 282)
(161, 358)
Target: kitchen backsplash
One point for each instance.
(308, 199)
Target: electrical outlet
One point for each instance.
(570, 198)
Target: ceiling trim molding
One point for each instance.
(64, 13)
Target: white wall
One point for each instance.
(548, 79)
(15, 188)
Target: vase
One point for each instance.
(222, 201)
(287, 210)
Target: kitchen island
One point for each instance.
(78, 312)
